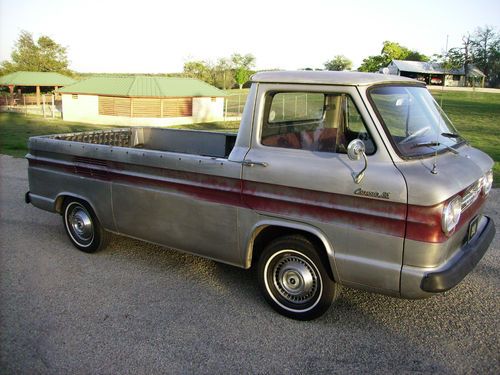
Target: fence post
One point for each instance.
(53, 107)
(24, 104)
(283, 109)
(225, 108)
(43, 105)
(295, 110)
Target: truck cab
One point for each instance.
(403, 215)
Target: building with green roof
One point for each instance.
(142, 100)
(34, 79)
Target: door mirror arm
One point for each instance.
(355, 150)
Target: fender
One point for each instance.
(60, 198)
(268, 222)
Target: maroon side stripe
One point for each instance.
(395, 219)
(424, 223)
(357, 212)
(206, 187)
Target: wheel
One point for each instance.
(294, 280)
(83, 227)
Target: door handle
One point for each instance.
(250, 163)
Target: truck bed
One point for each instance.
(195, 142)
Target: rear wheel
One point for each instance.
(294, 280)
(83, 227)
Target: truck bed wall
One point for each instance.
(179, 192)
(173, 140)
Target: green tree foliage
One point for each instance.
(42, 55)
(199, 70)
(390, 51)
(242, 65)
(224, 73)
(215, 74)
(486, 50)
(224, 77)
(242, 75)
(373, 63)
(460, 57)
(339, 62)
(481, 49)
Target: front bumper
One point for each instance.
(422, 282)
(461, 264)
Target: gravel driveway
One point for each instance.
(138, 308)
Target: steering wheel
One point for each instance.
(416, 134)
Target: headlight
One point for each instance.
(487, 181)
(451, 215)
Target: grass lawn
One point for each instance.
(219, 126)
(15, 129)
(476, 116)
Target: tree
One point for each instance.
(373, 63)
(43, 55)
(197, 69)
(223, 73)
(390, 51)
(485, 48)
(241, 75)
(481, 49)
(455, 58)
(242, 65)
(339, 62)
(447, 61)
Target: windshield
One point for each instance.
(414, 121)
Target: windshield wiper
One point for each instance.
(451, 135)
(434, 144)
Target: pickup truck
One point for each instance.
(334, 178)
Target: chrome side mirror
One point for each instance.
(355, 150)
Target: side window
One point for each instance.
(313, 122)
(296, 107)
(355, 128)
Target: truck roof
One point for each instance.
(329, 77)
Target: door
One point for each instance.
(297, 169)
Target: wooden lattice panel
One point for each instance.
(106, 106)
(111, 106)
(177, 107)
(122, 107)
(147, 107)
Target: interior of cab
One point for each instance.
(312, 122)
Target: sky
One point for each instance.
(146, 36)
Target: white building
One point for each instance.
(142, 100)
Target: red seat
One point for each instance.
(290, 140)
(323, 139)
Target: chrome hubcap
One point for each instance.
(295, 279)
(80, 224)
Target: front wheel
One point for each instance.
(294, 280)
(83, 227)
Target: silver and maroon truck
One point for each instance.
(334, 178)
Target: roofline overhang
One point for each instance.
(142, 97)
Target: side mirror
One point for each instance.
(355, 150)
